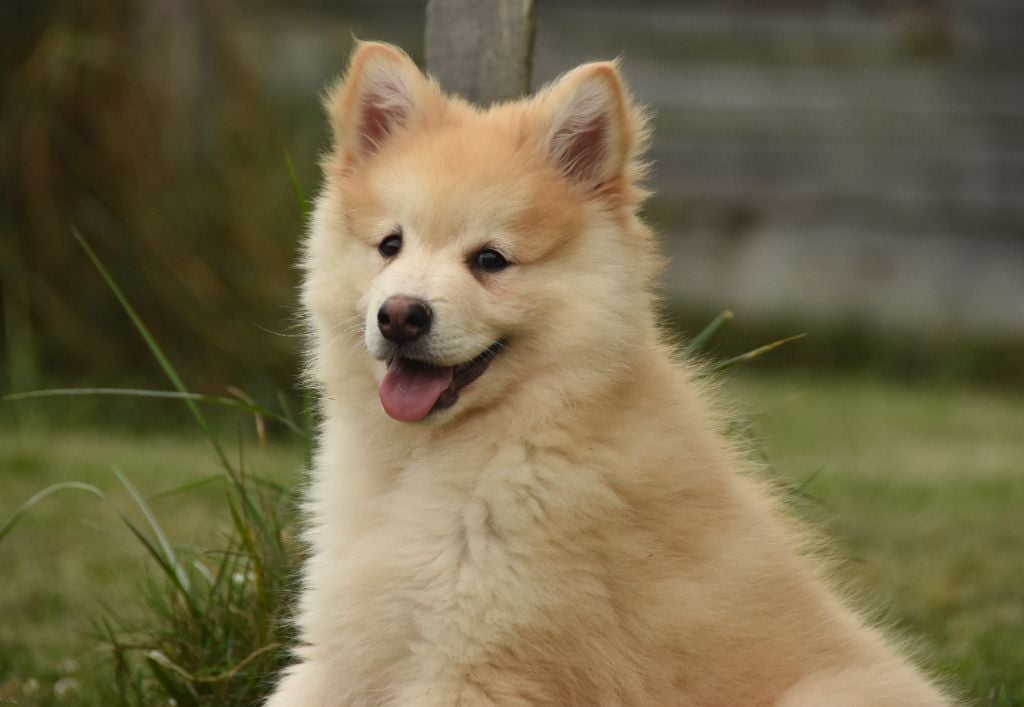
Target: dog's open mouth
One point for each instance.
(413, 389)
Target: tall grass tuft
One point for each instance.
(215, 627)
(215, 630)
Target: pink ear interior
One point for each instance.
(587, 109)
(581, 147)
(376, 99)
(378, 118)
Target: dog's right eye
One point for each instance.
(390, 246)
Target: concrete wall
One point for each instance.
(827, 160)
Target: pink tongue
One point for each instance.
(410, 389)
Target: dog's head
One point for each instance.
(461, 257)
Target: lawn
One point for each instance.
(922, 490)
(71, 559)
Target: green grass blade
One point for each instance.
(233, 403)
(166, 662)
(707, 333)
(164, 557)
(203, 570)
(181, 691)
(293, 177)
(27, 505)
(751, 355)
(165, 544)
(286, 410)
(190, 486)
(123, 678)
(308, 397)
(309, 425)
(168, 568)
(154, 347)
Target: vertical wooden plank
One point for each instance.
(480, 49)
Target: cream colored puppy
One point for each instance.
(521, 496)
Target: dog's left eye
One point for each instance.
(390, 246)
(489, 260)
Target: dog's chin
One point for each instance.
(415, 390)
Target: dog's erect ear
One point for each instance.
(381, 92)
(590, 125)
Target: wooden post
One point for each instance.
(480, 49)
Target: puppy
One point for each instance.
(521, 494)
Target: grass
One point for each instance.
(71, 560)
(214, 630)
(921, 489)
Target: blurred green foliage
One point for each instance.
(176, 175)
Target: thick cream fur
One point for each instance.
(575, 530)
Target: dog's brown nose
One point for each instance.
(403, 319)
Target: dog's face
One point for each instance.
(474, 253)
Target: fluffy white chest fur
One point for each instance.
(521, 496)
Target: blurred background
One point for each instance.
(853, 169)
